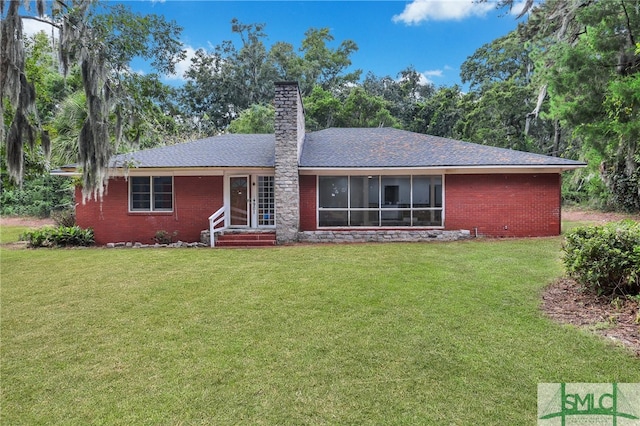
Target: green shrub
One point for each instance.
(163, 237)
(37, 197)
(65, 217)
(605, 259)
(61, 236)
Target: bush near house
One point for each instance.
(61, 236)
(605, 259)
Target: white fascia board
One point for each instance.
(187, 171)
(438, 170)
(68, 173)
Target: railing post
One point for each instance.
(212, 225)
(212, 240)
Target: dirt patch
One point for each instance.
(616, 319)
(596, 217)
(32, 222)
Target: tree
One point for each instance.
(592, 79)
(439, 114)
(402, 93)
(255, 119)
(321, 108)
(323, 65)
(361, 109)
(102, 40)
(222, 83)
(586, 63)
(498, 109)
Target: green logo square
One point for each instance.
(564, 404)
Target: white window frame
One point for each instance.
(151, 208)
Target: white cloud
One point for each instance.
(32, 26)
(426, 77)
(441, 10)
(518, 7)
(182, 66)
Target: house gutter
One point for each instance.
(448, 169)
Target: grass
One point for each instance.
(10, 234)
(443, 333)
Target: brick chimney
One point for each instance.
(289, 132)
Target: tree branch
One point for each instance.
(626, 15)
(35, 18)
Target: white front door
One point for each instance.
(239, 202)
(251, 201)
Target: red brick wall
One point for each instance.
(195, 199)
(307, 203)
(526, 204)
(509, 205)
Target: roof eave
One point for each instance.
(454, 169)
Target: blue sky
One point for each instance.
(433, 36)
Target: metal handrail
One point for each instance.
(214, 220)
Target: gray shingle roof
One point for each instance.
(218, 151)
(337, 148)
(387, 147)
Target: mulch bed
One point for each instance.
(615, 319)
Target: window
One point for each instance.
(151, 194)
(266, 201)
(377, 201)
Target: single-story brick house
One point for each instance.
(365, 184)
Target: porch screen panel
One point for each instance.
(379, 201)
(334, 192)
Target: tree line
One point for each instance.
(565, 83)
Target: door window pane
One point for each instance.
(266, 201)
(239, 198)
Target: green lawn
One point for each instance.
(440, 333)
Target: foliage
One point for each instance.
(361, 109)
(255, 119)
(605, 259)
(39, 196)
(230, 79)
(102, 40)
(592, 74)
(61, 236)
(66, 218)
(438, 114)
(402, 93)
(163, 237)
(321, 108)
